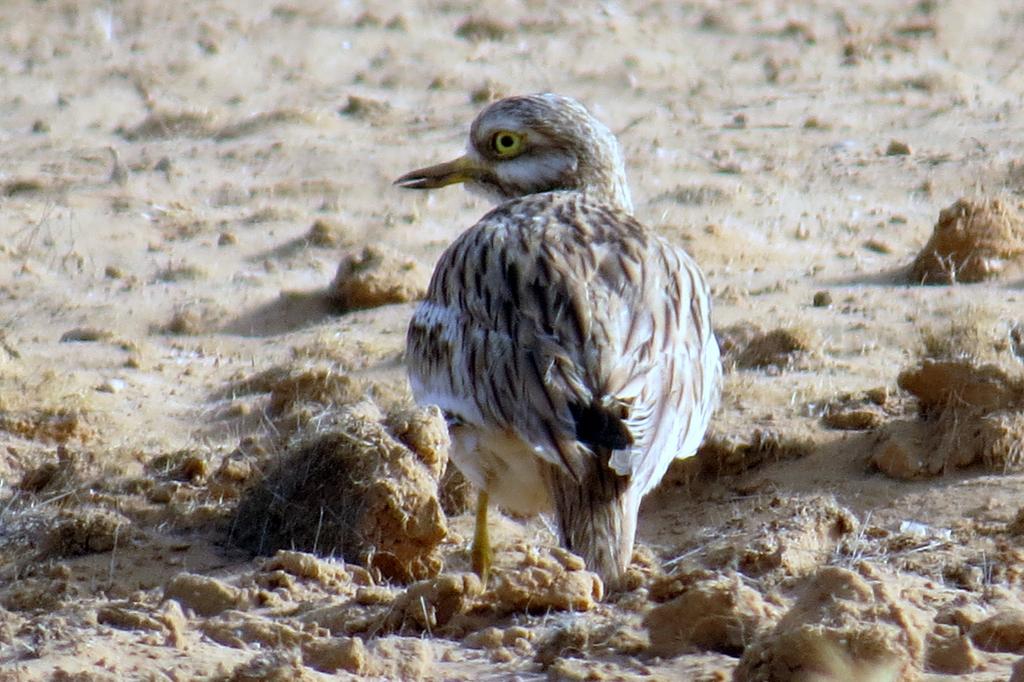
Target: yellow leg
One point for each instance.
(481, 553)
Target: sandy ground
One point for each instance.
(179, 183)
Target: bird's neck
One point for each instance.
(602, 175)
(609, 187)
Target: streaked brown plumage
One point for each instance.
(570, 348)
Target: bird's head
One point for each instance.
(534, 143)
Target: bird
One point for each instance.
(569, 348)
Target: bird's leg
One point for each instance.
(481, 553)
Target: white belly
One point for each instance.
(504, 466)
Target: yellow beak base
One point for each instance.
(461, 169)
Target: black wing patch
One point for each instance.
(600, 428)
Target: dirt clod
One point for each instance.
(365, 107)
(431, 604)
(324, 234)
(973, 240)
(482, 28)
(377, 276)
(950, 652)
(89, 531)
(939, 384)
(273, 666)
(719, 614)
(795, 540)
(846, 625)
(897, 148)
(204, 595)
(336, 653)
(58, 425)
(1002, 631)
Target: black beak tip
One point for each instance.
(409, 181)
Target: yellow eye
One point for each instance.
(506, 143)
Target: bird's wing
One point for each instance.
(549, 319)
(669, 369)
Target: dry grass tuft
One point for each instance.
(973, 333)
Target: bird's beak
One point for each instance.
(462, 169)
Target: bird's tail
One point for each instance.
(596, 517)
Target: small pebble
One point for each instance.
(822, 299)
(877, 246)
(897, 148)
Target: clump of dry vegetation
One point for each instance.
(973, 240)
(729, 453)
(970, 398)
(356, 490)
(747, 346)
(296, 394)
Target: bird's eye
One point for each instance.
(505, 143)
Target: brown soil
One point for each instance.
(210, 465)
